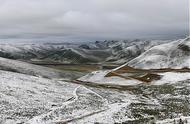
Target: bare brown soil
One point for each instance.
(147, 75)
(129, 69)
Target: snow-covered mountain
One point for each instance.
(174, 55)
(51, 52)
(127, 50)
(170, 55)
(97, 52)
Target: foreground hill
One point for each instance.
(33, 100)
(23, 96)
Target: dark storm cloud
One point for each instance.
(93, 19)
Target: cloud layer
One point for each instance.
(93, 19)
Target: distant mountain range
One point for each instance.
(98, 52)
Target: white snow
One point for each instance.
(107, 115)
(99, 77)
(23, 96)
(184, 119)
(167, 78)
(171, 78)
(30, 69)
(168, 55)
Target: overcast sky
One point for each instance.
(85, 20)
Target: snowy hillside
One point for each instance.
(34, 100)
(23, 96)
(171, 55)
(174, 55)
(30, 69)
(99, 77)
(127, 50)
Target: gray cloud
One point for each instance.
(93, 19)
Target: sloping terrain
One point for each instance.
(35, 70)
(132, 79)
(23, 96)
(171, 55)
(33, 100)
(127, 50)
